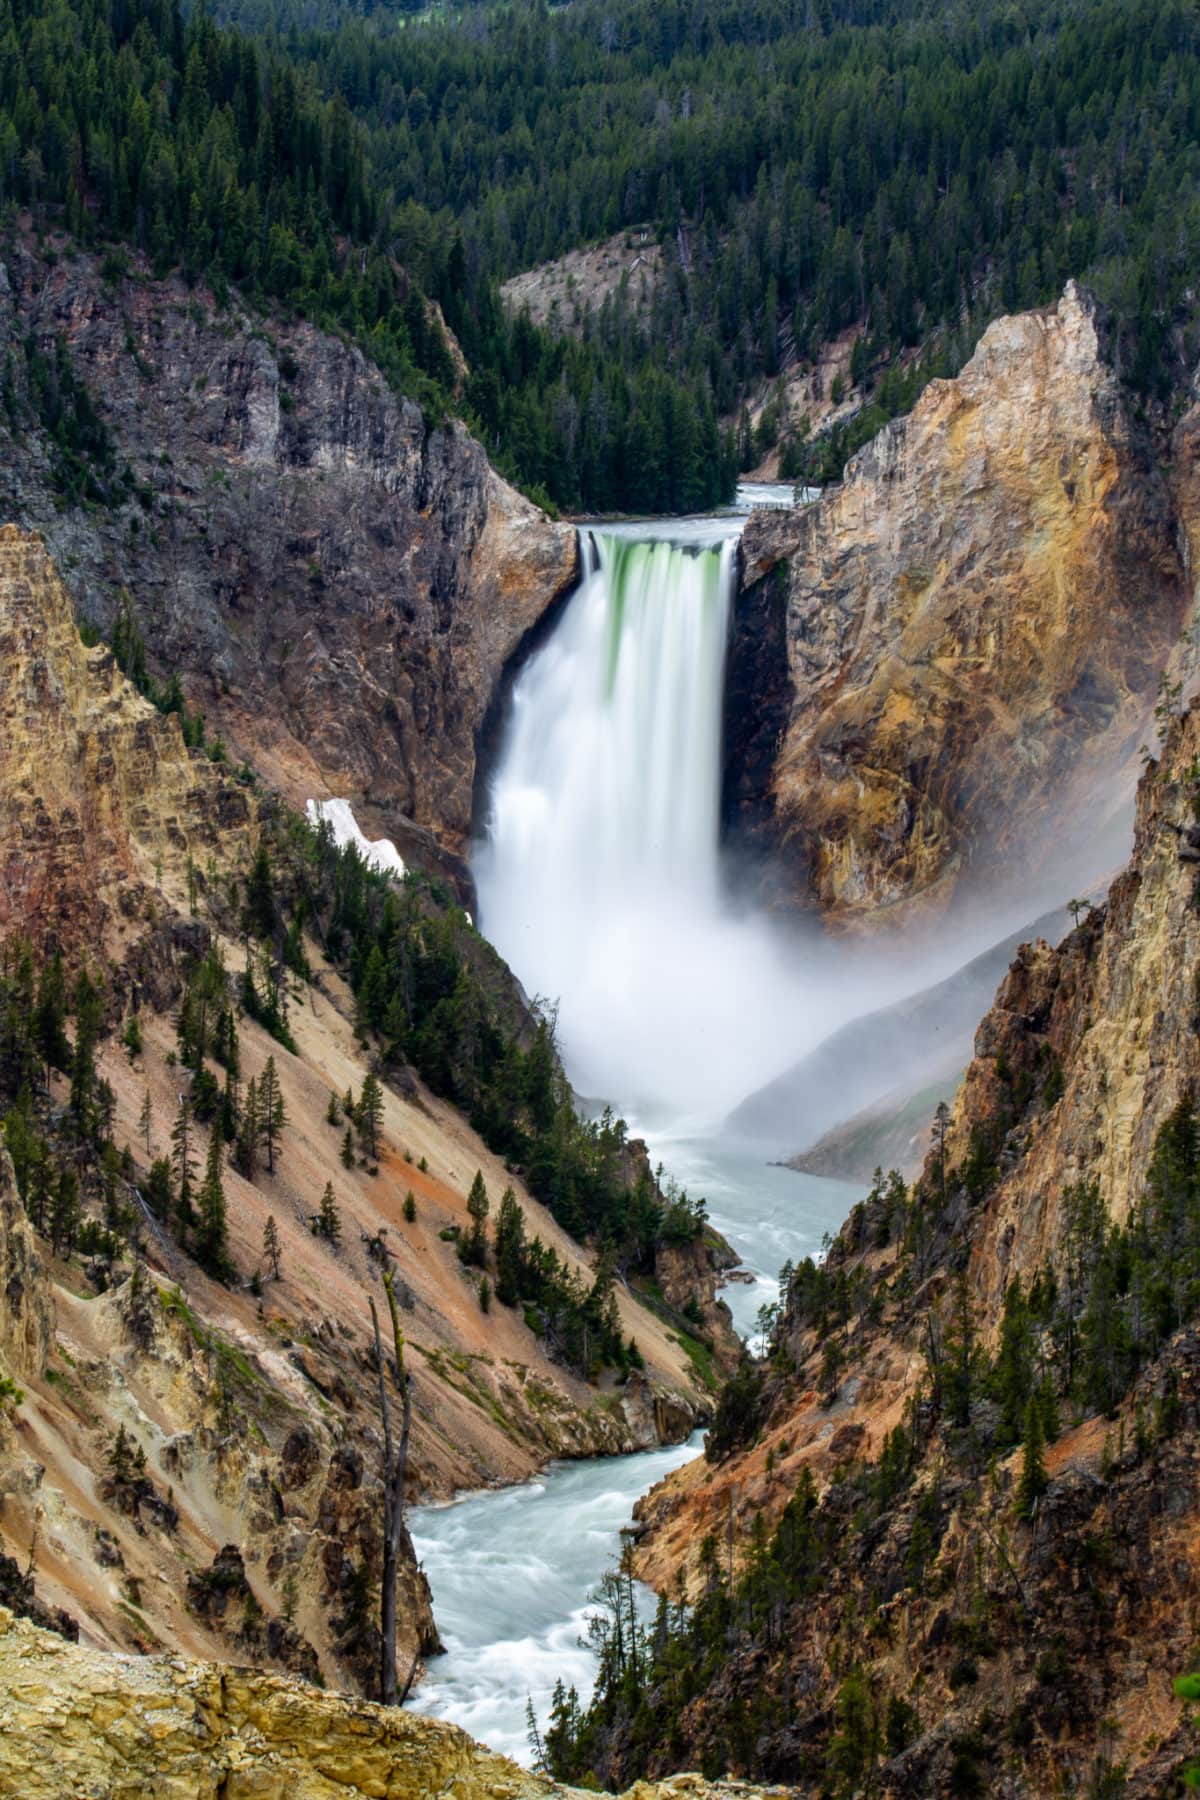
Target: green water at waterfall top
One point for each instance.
(636, 565)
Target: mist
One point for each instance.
(600, 878)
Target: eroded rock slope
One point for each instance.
(942, 671)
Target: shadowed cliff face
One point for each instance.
(959, 643)
(338, 583)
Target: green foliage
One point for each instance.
(236, 161)
(329, 1222)
(739, 1412)
(212, 1235)
(908, 172)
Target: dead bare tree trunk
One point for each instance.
(395, 1469)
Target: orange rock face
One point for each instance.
(955, 646)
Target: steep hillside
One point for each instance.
(946, 1541)
(190, 1456)
(939, 667)
(337, 580)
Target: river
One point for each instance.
(601, 881)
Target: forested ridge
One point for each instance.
(723, 1679)
(904, 170)
(210, 151)
(907, 169)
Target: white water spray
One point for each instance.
(600, 878)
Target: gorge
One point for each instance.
(599, 899)
(654, 904)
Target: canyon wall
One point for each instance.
(941, 672)
(1038, 1651)
(338, 580)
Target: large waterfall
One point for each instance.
(600, 879)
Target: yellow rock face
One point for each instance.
(97, 789)
(79, 1722)
(972, 627)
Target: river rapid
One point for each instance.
(601, 882)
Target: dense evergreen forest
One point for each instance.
(905, 169)
(810, 168)
(209, 151)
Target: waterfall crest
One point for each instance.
(599, 880)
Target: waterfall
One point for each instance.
(599, 878)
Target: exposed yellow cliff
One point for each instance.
(79, 1722)
(99, 796)
(959, 645)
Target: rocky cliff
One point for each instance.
(1089, 1047)
(949, 662)
(79, 1721)
(871, 1477)
(99, 794)
(338, 580)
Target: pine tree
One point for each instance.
(333, 1112)
(146, 1123)
(212, 1235)
(245, 1155)
(1034, 1480)
(348, 1149)
(262, 913)
(271, 1114)
(475, 1247)
(182, 1167)
(64, 1212)
(410, 1207)
(50, 1016)
(960, 1365)
(1012, 1379)
(510, 1249)
(485, 1295)
(271, 1250)
(370, 1114)
(329, 1222)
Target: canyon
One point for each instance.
(943, 665)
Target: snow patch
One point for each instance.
(378, 853)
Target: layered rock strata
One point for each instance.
(942, 672)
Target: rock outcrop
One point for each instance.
(26, 1298)
(98, 793)
(1099, 1035)
(338, 582)
(937, 665)
(161, 1728)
